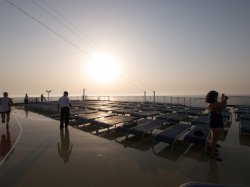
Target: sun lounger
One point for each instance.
(242, 110)
(166, 110)
(85, 118)
(81, 111)
(191, 112)
(111, 121)
(146, 128)
(127, 126)
(245, 124)
(125, 111)
(204, 120)
(108, 109)
(173, 117)
(145, 114)
(245, 117)
(198, 184)
(200, 120)
(171, 134)
(197, 135)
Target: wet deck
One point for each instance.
(36, 160)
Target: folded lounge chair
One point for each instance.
(171, 134)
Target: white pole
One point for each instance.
(154, 98)
(83, 94)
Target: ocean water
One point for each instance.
(195, 101)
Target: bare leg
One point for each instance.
(215, 137)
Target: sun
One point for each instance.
(103, 67)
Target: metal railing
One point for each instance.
(188, 101)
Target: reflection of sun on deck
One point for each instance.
(36, 159)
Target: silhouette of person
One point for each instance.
(42, 98)
(6, 104)
(64, 104)
(215, 121)
(5, 145)
(65, 148)
(26, 99)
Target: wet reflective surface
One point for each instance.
(47, 156)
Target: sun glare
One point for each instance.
(103, 67)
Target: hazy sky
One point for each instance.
(171, 47)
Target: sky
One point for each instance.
(172, 47)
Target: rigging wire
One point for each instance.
(47, 27)
(131, 83)
(69, 22)
(141, 82)
(59, 35)
(64, 25)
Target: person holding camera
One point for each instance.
(215, 120)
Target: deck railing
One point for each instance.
(181, 100)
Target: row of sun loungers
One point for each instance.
(197, 132)
(188, 123)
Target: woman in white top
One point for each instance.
(6, 104)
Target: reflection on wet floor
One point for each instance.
(86, 154)
(5, 144)
(64, 147)
(9, 133)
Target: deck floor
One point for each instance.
(41, 155)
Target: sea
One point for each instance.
(194, 101)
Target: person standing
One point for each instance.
(26, 99)
(42, 98)
(6, 104)
(215, 120)
(64, 106)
